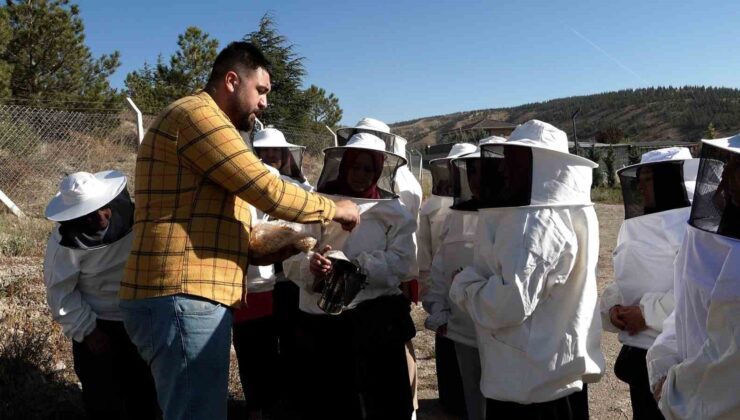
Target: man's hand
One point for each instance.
(659, 389)
(614, 316)
(320, 265)
(347, 214)
(634, 321)
(97, 341)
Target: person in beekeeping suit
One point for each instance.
(531, 290)
(354, 363)
(410, 195)
(83, 268)
(455, 250)
(432, 215)
(693, 363)
(264, 329)
(657, 196)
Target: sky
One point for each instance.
(407, 59)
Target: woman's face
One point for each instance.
(361, 175)
(272, 156)
(645, 187)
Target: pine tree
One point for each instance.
(288, 105)
(48, 55)
(323, 109)
(154, 87)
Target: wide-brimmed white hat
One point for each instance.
(82, 193)
(546, 137)
(365, 125)
(458, 150)
(731, 144)
(492, 140)
(370, 142)
(661, 155)
(272, 137)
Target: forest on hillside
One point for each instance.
(632, 115)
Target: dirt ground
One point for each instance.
(23, 313)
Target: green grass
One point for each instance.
(606, 195)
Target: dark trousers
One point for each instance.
(116, 384)
(631, 367)
(348, 375)
(571, 407)
(256, 345)
(285, 311)
(449, 382)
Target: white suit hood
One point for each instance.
(382, 246)
(558, 177)
(643, 271)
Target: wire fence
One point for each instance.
(40, 145)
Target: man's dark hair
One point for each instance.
(238, 55)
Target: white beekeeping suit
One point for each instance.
(703, 384)
(435, 209)
(406, 186)
(382, 245)
(82, 279)
(649, 239)
(455, 250)
(286, 160)
(354, 363)
(531, 290)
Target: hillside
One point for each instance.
(633, 115)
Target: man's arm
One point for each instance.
(211, 146)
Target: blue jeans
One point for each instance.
(185, 340)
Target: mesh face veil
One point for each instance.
(504, 177)
(656, 187)
(287, 160)
(360, 173)
(441, 170)
(716, 206)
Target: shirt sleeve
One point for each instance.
(435, 301)
(68, 308)
(210, 145)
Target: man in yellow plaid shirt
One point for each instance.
(195, 181)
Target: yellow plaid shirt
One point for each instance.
(195, 180)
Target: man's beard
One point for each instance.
(245, 122)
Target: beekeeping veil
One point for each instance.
(533, 168)
(405, 184)
(716, 206)
(362, 168)
(441, 169)
(467, 177)
(270, 145)
(663, 180)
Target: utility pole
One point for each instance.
(575, 133)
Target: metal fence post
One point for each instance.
(139, 119)
(11, 205)
(336, 142)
